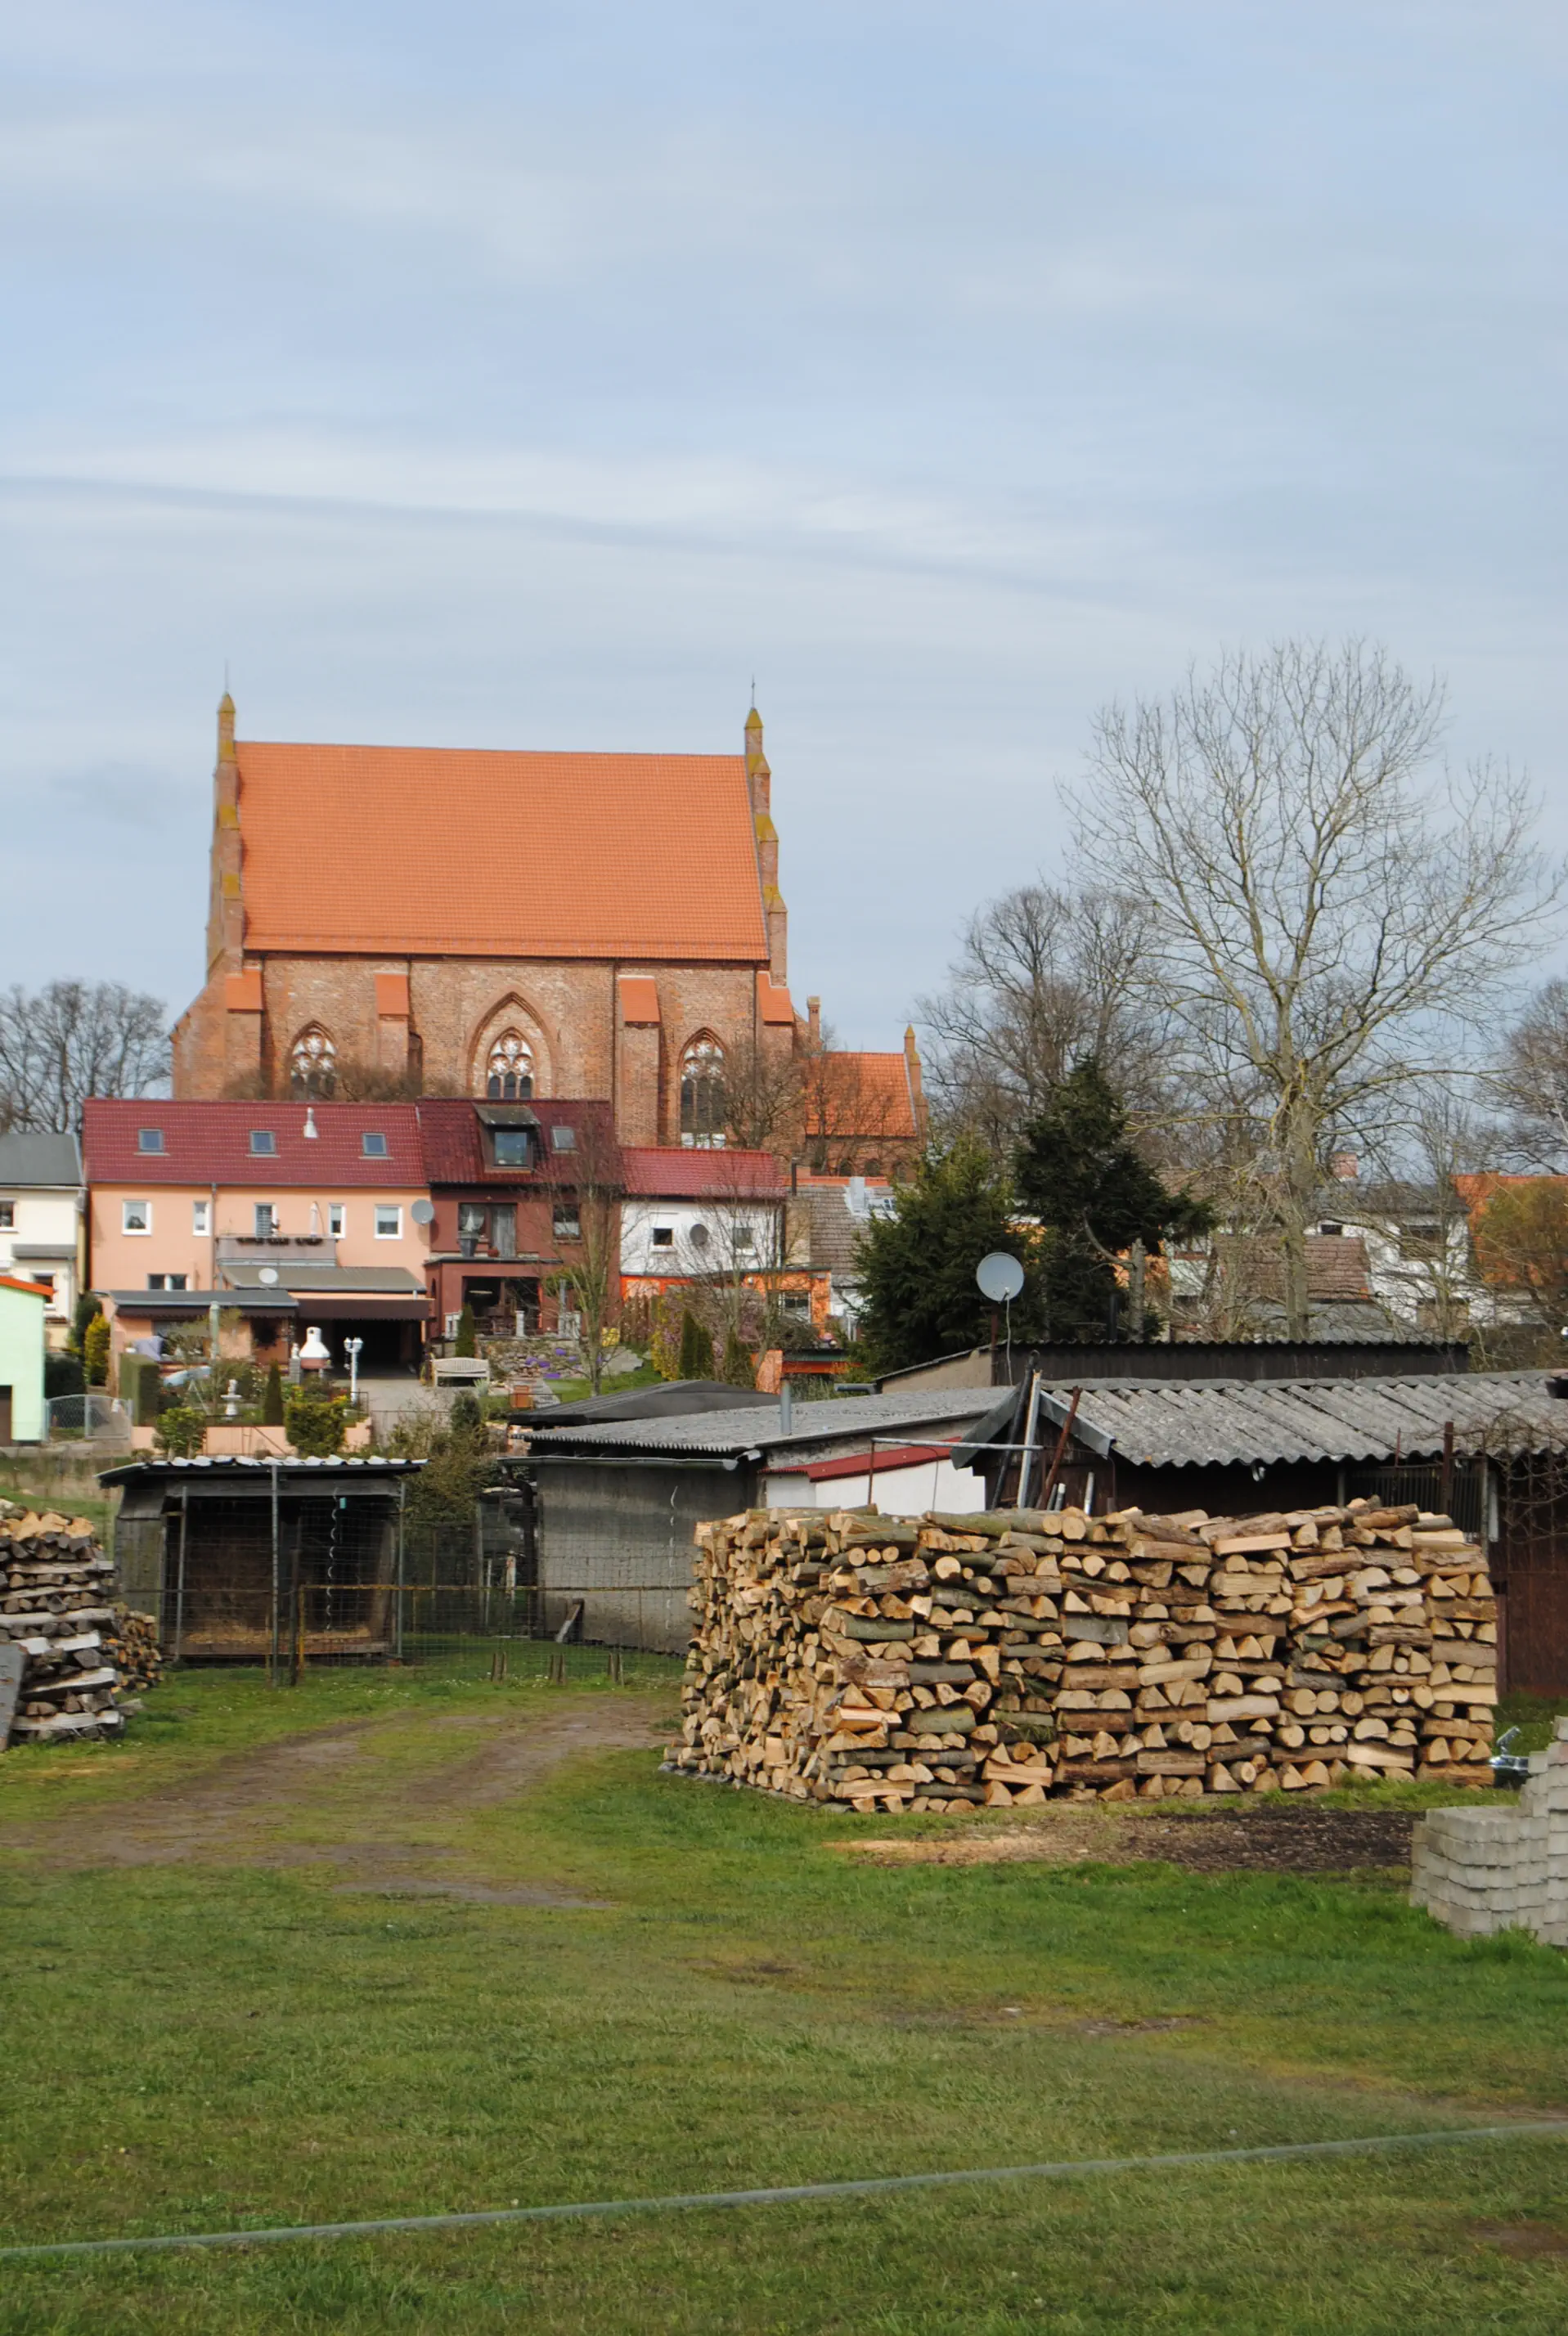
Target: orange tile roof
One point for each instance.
(444, 851)
(866, 1094)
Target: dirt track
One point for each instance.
(378, 1823)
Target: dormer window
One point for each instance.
(374, 1147)
(150, 1139)
(513, 1147)
(263, 1142)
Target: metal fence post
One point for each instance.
(179, 1576)
(272, 1647)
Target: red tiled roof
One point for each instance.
(722, 1175)
(450, 1133)
(210, 1144)
(864, 1095)
(449, 851)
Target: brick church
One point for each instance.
(403, 919)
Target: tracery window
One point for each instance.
(312, 1063)
(702, 1096)
(509, 1071)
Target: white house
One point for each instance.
(688, 1215)
(41, 1219)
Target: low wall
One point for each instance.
(1483, 1870)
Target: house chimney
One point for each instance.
(814, 1024)
(1344, 1167)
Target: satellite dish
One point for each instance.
(1000, 1277)
(424, 1212)
(699, 1236)
(268, 1275)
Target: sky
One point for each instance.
(537, 375)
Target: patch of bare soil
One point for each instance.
(1286, 1839)
(1525, 2242)
(240, 1813)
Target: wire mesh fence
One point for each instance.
(90, 1416)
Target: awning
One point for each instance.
(366, 1306)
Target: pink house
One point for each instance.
(291, 1213)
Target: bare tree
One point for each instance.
(1043, 979)
(1532, 1083)
(1323, 920)
(585, 1184)
(73, 1039)
(761, 1096)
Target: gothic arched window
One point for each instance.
(312, 1063)
(508, 1069)
(702, 1096)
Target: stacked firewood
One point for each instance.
(57, 1592)
(131, 1645)
(915, 1662)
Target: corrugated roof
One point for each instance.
(817, 1429)
(208, 1142)
(446, 851)
(35, 1156)
(1166, 1424)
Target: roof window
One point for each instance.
(514, 1146)
(150, 1139)
(374, 1147)
(263, 1141)
(563, 1139)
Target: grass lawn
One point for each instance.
(343, 1952)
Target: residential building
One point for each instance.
(22, 1309)
(828, 1216)
(42, 1220)
(289, 1215)
(519, 1192)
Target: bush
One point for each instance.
(696, 1356)
(738, 1369)
(95, 1350)
(316, 1421)
(63, 1374)
(272, 1398)
(86, 1307)
(466, 1420)
(180, 1431)
(464, 1342)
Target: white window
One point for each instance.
(664, 1236)
(568, 1224)
(388, 1223)
(150, 1139)
(7, 1216)
(745, 1240)
(374, 1147)
(136, 1216)
(266, 1219)
(167, 1281)
(201, 1217)
(336, 1218)
(454, 1324)
(263, 1140)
